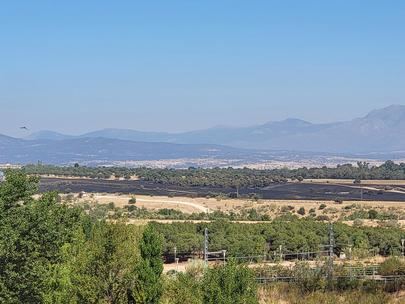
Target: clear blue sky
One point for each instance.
(75, 66)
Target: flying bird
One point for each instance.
(24, 128)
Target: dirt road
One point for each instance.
(159, 201)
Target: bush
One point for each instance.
(301, 211)
(347, 283)
(322, 206)
(286, 208)
(229, 284)
(111, 206)
(392, 266)
(309, 279)
(181, 289)
(371, 286)
(323, 218)
(233, 195)
(372, 214)
(132, 200)
(131, 208)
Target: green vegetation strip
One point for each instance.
(229, 177)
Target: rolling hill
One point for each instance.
(103, 150)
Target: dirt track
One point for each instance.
(154, 202)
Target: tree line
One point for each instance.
(294, 235)
(228, 177)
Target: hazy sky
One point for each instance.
(75, 66)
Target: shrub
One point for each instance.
(322, 206)
(233, 195)
(323, 218)
(372, 214)
(287, 208)
(301, 211)
(132, 200)
(392, 266)
(309, 279)
(181, 289)
(229, 284)
(131, 208)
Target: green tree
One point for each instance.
(229, 284)
(148, 287)
(32, 233)
(181, 289)
(17, 189)
(98, 268)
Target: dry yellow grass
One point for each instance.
(273, 208)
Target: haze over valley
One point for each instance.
(292, 142)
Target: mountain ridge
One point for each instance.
(381, 130)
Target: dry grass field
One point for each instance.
(190, 205)
(328, 209)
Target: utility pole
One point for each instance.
(208, 253)
(206, 246)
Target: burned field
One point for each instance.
(282, 191)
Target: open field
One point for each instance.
(278, 191)
(378, 182)
(323, 201)
(272, 208)
(190, 205)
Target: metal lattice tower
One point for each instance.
(330, 258)
(206, 246)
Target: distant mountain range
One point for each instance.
(380, 134)
(381, 131)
